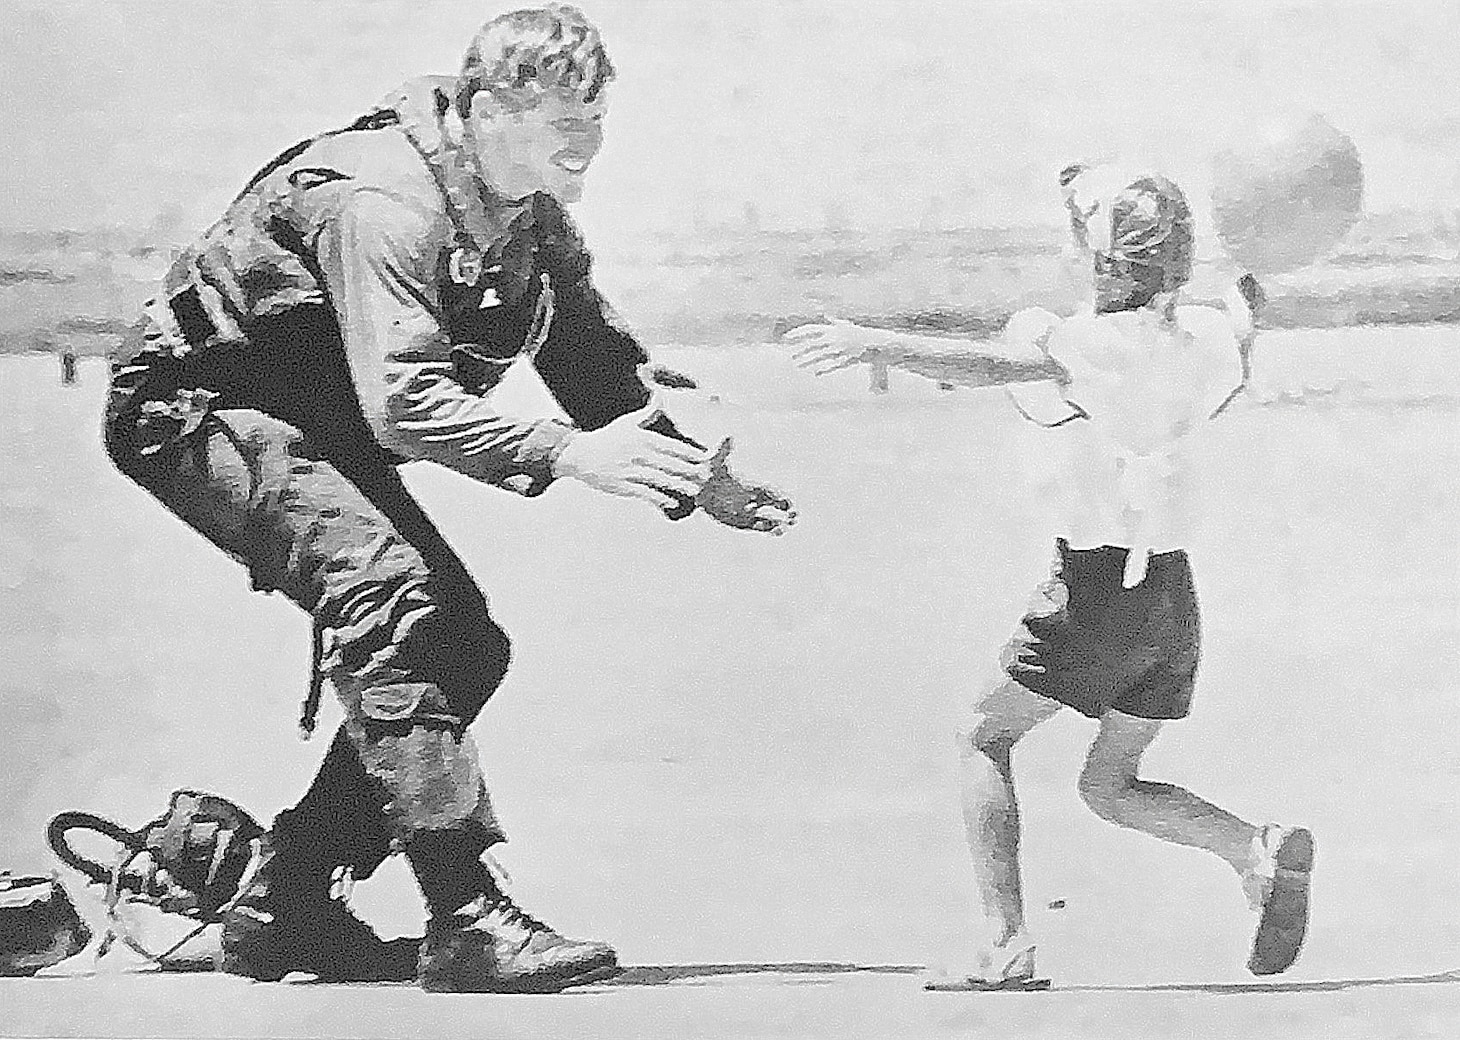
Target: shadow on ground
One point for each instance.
(661, 974)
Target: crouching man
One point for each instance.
(353, 310)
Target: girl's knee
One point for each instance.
(1003, 713)
(1109, 777)
(1104, 790)
(985, 735)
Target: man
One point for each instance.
(351, 311)
(1114, 633)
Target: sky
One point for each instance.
(792, 114)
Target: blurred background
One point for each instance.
(765, 160)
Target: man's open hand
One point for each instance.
(624, 459)
(734, 503)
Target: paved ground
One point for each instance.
(716, 748)
(813, 1002)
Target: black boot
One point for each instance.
(287, 919)
(479, 941)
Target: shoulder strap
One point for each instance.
(377, 120)
(454, 212)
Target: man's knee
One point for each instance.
(120, 439)
(482, 653)
(411, 650)
(468, 654)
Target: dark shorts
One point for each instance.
(1094, 645)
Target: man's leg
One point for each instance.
(408, 706)
(411, 650)
(1002, 715)
(233, 480)
(413, 654)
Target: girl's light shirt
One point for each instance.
(1122, 475)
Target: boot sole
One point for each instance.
(272, 965)
(553, 984)
(1284, 922)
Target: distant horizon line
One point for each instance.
(1450, 215)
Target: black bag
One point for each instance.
(39, 925)
(193, 861)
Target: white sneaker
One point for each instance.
(1257, 879)
(1277, 887)
(1006, 967)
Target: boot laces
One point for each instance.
(502, 903)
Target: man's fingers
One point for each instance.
(699, 472)
(640, 416)
(762, 497)
(649, 493)
(824, 352)
(747, 518)
(768, 508)
(773, 525)
(657, 478)
(811, 341)
(662, 445)
(818, 339)
(823, 327)
(842, 359)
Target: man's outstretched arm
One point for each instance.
(372, 255)
(594, 367)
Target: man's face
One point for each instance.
(546, 147)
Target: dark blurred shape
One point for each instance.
(668, 377)
(1288, 195)
(39, 925)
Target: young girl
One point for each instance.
(1114, 632)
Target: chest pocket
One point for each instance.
(496, 307)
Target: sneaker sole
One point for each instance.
(1284, 922)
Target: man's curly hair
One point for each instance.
(518, 55)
